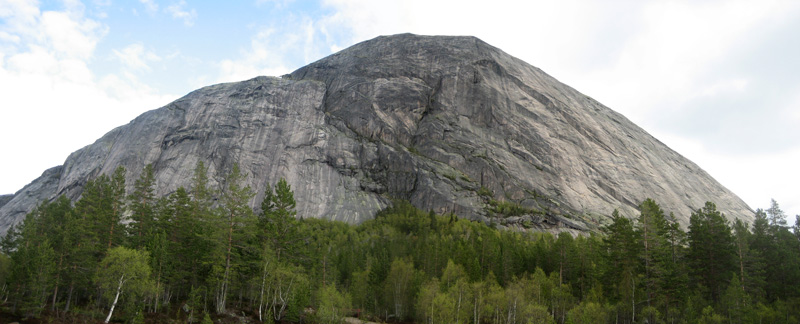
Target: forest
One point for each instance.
(202, 255)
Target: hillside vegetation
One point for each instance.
(202, 255)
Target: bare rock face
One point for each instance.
(14, 207)
(434, 120)
(5, 199)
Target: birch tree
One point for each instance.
(124, 271)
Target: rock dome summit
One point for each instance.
(451, 124)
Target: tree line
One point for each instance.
(202, 254)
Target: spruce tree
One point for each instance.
(711, 250)
(142, 205)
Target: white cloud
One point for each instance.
(178, 11)
(756, 178)
(724, 87)
(135, 57)
(69, 36)
(793, 111)
(102, 3)
(277, 3)
(18, 20)
(150, 6)
(6, 37)
(263, 57)
(678, 43)
(277, 49)
(53, 102)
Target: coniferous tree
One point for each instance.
(42, 244)
(200, 226)
(34, 261)
(277, 223)
(673, 280)
(142, 205)
(785, 265)
(278, 264)
(188, 243)
(775, 215)
(116, 234)
(80, 255)
(101, 207)
(652, 227)
(201, 192)
(777, 248)
(735, 301)
(564, 249)
(750, 263)
(587, 263)
(711, 250)
(621, 252)
(235, 215)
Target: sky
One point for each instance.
(717, 81)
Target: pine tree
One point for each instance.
(621, 251)
(796, 227)
(201, 193)
(277, 232)
(236, 214)
(779, 251)
(750, 263)
(784, 264)
(674, 277)
(652, 227)
(80, 257)
(775, 215)
(116, 234)
(564, 249)
(102, 206)
(277, 223)
(200, 224)
(188, 243)
(54, 221)
(34, 262)
(735, 301)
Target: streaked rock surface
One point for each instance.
(430, 119)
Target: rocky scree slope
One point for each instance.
(451, 124)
